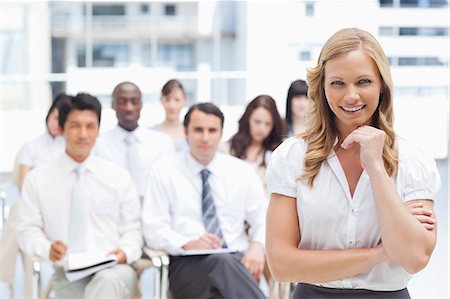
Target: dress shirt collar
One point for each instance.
(196, 167)
(68, 164)
(122, 134)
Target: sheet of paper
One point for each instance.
(207, 251)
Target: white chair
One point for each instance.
(159, 260)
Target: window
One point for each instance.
(146, 54)
(424, 31)
(408, 31)
(438, 3)
(305, 55)
(386, 31)
(179, 56)
(108, 10)
(420, 61)
(170, 10)
(13, 48)
(386, 3)
(423, 3)
(309, 9)
(424, 91)
(391, 60)
(104, 55)
(81, 55)
(145, 8)
(433, 31)
(410, 3)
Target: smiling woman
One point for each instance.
(352, 87)
(350, 171)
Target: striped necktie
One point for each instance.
(209, 215)
(79, 213)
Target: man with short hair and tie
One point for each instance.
(82, 204)
(200, 200)
(129, 145)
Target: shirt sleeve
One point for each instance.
(26, 156)
(284, 168)
(30, 228)
(156, 216)
(421, 179)
(130, 222)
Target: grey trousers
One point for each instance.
(307, 291)
(211, 276)
(119, 281)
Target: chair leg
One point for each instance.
(36, 280)
(157, 264)
(11, 290)
(164, 276)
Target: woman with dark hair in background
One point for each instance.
(260, 132)
(45, 147)
(297, 106)
(173, 100)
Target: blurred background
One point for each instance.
(226, 52)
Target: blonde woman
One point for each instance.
(351, 210)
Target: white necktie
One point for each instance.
(79, 213)
(133, 162)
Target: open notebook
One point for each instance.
(80, 265)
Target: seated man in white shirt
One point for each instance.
(129, 145)
(199, 200)
(80, 203)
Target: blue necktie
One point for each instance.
(209, 215)
(79, 213)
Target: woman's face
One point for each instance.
(173, 103)
(52, 123)
(299, 106)
(261, 124)
(352, 88)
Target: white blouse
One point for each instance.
(330, 218)
(42, 150)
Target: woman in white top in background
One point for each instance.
(45, 147)
(173, 100)
(34, 153)
(351, 210)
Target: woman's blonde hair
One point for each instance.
(322, 131)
